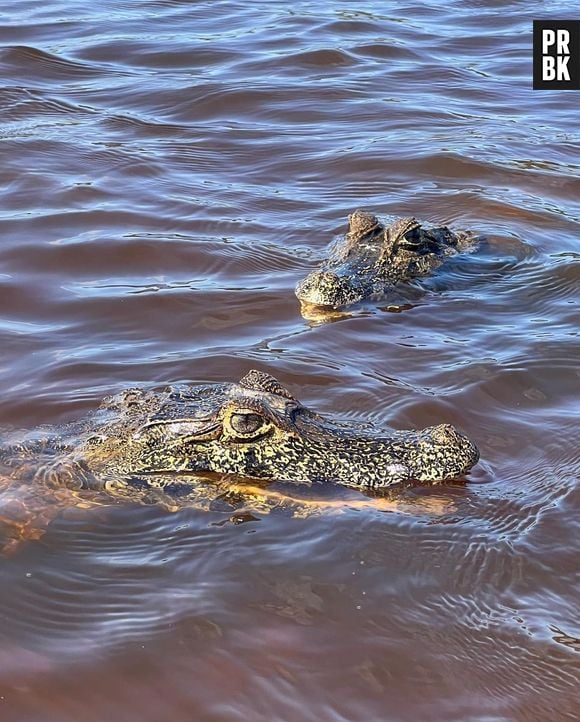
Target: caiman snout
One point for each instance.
(445, 453)
(326, 288)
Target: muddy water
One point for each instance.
(169, 171)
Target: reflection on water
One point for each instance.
(170, 171)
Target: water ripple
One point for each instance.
(170, 170)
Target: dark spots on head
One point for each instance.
(253, 464)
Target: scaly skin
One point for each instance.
(371, 259)
(257, 429)
(213, 447)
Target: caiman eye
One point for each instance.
(411, 238)
(246, 423)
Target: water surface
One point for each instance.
(169, 171)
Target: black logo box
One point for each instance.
(573, 64)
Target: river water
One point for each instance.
(169, 171)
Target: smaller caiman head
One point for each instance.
(371, 258)
(258, 429)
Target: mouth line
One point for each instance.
(326, 306)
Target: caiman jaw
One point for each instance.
(256, 429)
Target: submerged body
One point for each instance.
(372, 258)
(161, 447)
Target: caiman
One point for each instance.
(156, 446)
(371, 259)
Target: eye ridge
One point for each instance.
(246, 423)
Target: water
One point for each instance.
(169, 171)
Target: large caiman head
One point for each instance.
(257, 429)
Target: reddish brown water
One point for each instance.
(169, 171)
